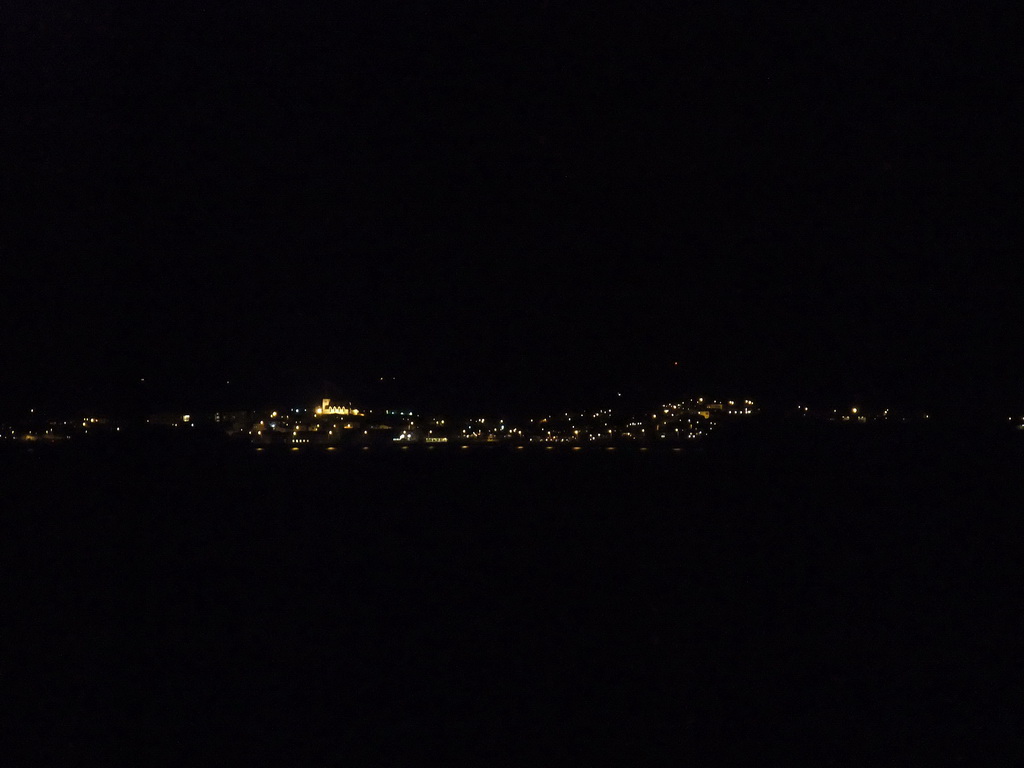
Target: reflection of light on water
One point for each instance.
(627, 449)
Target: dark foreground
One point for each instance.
(842, 601)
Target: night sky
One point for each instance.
(509, 207)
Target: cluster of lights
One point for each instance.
(301, 426)
(673, 420)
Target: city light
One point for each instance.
(682, 421)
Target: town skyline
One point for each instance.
(333, 423)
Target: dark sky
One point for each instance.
(509, 206)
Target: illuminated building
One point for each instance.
(339, 410)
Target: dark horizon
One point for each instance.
(150, 397)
